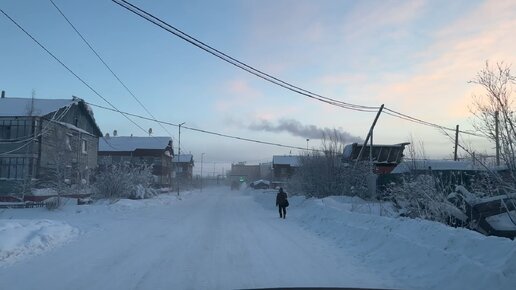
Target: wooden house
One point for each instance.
(156, 152)
(44, 141)
(183, 166)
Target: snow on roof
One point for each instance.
(183, 158)
(72, 127)
(440, 165)
(286, 160)
(124, 143)
(15, 107)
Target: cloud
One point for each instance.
(296, 128)
(437, 88)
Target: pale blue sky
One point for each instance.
(414, 56)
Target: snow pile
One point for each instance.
(420, 253)
(19, 238)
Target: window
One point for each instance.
(84, 146)
(14, 167)
(5, 132)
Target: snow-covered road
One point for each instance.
(217, 239)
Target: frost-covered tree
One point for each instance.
(497, 104)
(124, 181)
(322, 173)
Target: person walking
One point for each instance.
(282, 203)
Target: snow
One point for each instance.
(124, 143)
(12, 107)
(503, 222)
(21, 237)
(222, 239)
(72, 127)
(44, 192)
(286, 160)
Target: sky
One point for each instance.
(416, 57)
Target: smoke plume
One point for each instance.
(295, 128)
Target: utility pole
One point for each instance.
(456, 142)
(371, 179)
(369, 134)
(202, 157)
(497, 136)
(179, 156)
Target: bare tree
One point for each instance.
(322, 173)
(496, 107)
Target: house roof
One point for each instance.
(127, 143)
(183, 158)
(286, 160)
(439, 165)
(387, 154)
(15, 107)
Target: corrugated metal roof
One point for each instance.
(15, 107)
(439, 165)
(125, 143)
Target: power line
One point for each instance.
(252, 70)
(206, 131)
(217, 53)
(106, 65)
(422, 122)
(68, 69)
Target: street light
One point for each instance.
(307, 143)
(202, 157)
(179, 156)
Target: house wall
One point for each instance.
(67, 150)
(250, 172)
(282, 172)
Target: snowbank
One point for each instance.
(20, 238)
(423, 254)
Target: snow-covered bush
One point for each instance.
(124, 182)
(418, 196)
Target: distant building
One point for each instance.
(45, 141)
(245, 173)
(385, 157)
(283, 167)
(153, 151)
(183, 166)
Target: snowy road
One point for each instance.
(212, 240)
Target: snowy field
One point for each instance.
(221, 239)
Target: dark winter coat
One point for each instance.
(281, 198)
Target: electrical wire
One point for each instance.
(250, 69)
(206, 131)
(68, 69)
(217, 53)
(106, 65)
(422, 122)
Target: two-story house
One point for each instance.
(44, 141)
